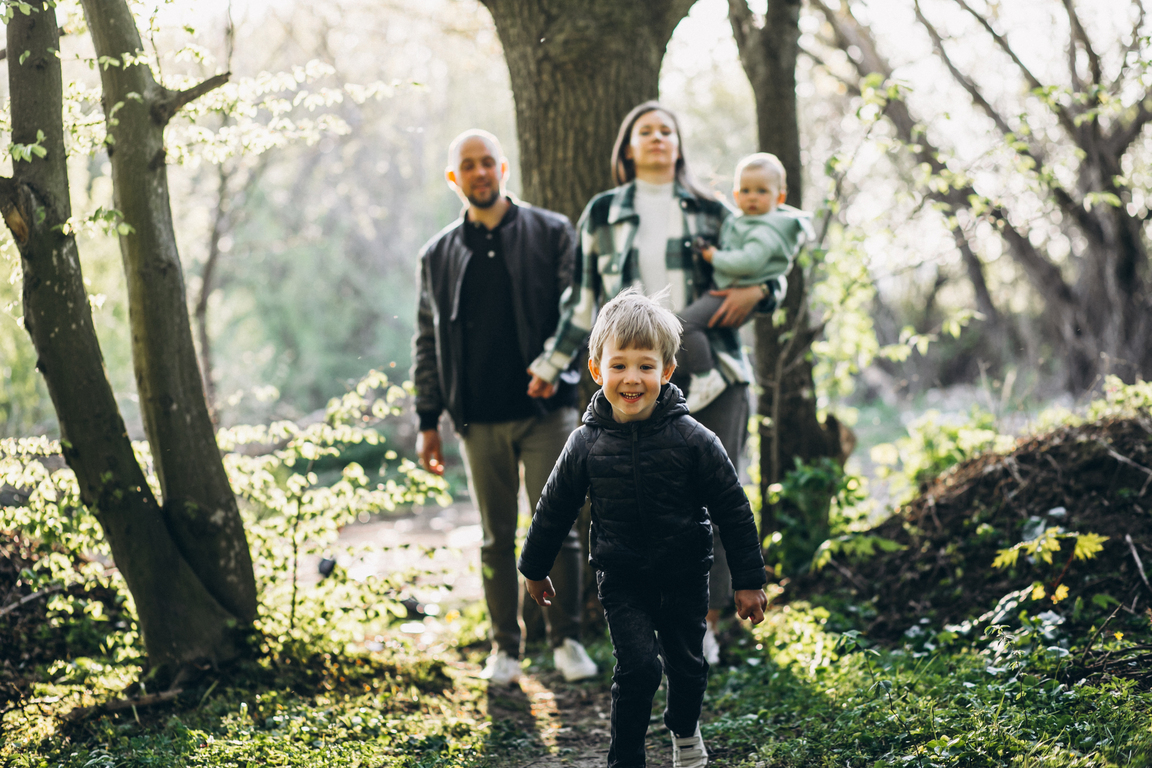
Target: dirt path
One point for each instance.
(569, 720)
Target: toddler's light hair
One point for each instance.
(635, 321)
(769, 163)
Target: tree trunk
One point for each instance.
(791, 428)
(180, 621)
(199, 505)
(577, 67)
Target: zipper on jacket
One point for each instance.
(636, 462)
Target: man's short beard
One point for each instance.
(484, 204)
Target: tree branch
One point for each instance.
(965, 82)
(1070, 206)
(1081, 36)
(1065, 118)
(173, 101)
(1123, 135)
(1133, 45)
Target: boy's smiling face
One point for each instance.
(631, 380)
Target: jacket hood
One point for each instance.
(669, 405)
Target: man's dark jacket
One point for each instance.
(539, 251)
(654, 485)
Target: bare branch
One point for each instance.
(1081, 36)
(1133, 45)
(1070, 206)
(1043, 274)
(965, 82)
(975, 270)
(1123, 135)
(1066, 119)
(853, 87)
(173, 101)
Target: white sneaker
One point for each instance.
(573, 662)
(500, 669)
(689, 752)
(711, 647)
(704, 388)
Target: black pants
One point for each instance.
(652, 621)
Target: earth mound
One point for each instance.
(1089, 478)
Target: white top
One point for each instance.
(655, 206)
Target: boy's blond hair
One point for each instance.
(635, 321)
(769, 163)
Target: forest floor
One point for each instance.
(570, 720)
(924, 655)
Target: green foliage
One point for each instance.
(932, 446)
(1121, 399)
(799, 694)
(1086, 546)
(288, 515)
(806, 505)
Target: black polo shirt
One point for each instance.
(495, 373)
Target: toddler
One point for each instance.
(756, 248)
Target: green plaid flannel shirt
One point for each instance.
(607, 262)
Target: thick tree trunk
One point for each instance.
(790, 428)
(199, 505)
(180, 620)
(577, 67)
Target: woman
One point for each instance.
(642, 232)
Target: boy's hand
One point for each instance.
(750, 604)
(707, 253)
(542, 590)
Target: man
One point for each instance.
(490, 286)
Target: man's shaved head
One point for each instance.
(489, 140)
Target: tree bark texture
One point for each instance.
(1102, 316)
(180, 620)
(577, 67)
(768, 47)
(790, 428)
(199, 505)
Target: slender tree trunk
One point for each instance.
(199, 505)
(790, 428)
(180, 619)
(577, 67)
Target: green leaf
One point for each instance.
(24, 57)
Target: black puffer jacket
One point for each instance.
(654, 485)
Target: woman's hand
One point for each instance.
(738, 304)
(540, 388)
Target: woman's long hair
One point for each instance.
(624, 170)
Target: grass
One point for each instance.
(792, 693)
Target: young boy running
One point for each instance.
(756, 248)
(656, 479)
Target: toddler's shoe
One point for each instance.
(689, 752)
(573, 662)
(711, 647)
(501, 669)
(704, 388)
